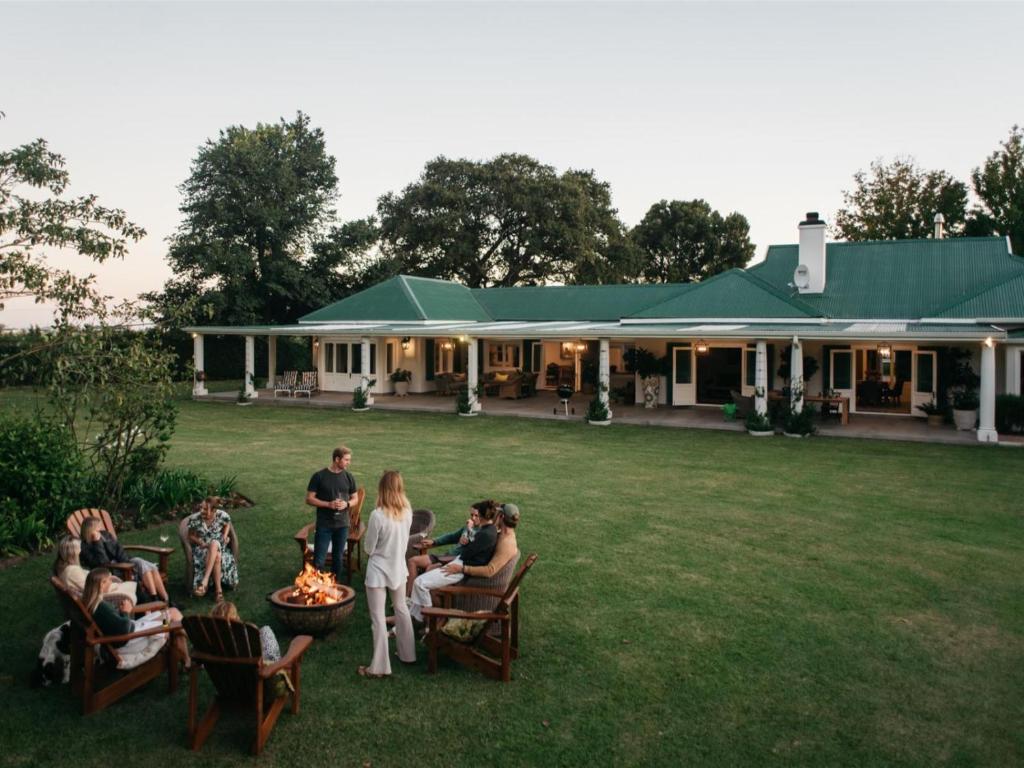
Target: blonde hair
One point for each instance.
(88, 524)
(391, 498)
(225, 610)
(68, 549)
(93, 592)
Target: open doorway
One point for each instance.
(719, 371)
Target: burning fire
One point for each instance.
(313, 587)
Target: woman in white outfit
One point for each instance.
(386, 540)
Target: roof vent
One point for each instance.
(940, 221)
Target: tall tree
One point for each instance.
(506, 221)
(999, 184)
(254, 204)
(685, 241)
(899, 201)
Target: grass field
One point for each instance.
(700, 598)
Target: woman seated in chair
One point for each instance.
(476, 552)
(268, 640)
(99, 548)
(209, 533)
(460, 538)
(119, 621)
(69, 570)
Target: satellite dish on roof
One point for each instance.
(801, 277)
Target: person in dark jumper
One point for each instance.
(476, 552)
(99, 548)
(113, 620)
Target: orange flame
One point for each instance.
(313, 587)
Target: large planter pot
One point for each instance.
(604, 423)
(401, 388)
(965, 420)
(761, 433)
(934, 419)
(247, 402)
(364, 409)
(794, 434)
(471, 413)
(651, 387)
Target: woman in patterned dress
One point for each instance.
(210, 532)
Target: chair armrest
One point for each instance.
(108, 639)
(455, 590)
(453, 613)
(162, 551)
(127, 570)
(298, 646)
(157, 605)
(302, 535)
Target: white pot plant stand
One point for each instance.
(400, 379)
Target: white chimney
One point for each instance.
(939, 221)
(810, 272)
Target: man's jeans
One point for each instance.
(337, 540)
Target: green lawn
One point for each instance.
(700, 598)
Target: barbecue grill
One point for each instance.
(564, 393)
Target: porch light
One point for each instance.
(316, 342)
(701, 347)
(581, 347)
(462, 339)
(405, 343)
(447, 344)
(195, 335)
(885, 351)
(989, 342)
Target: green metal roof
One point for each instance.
(1004, 299)
(574, 302)
(403, 298)
(900, 278)
(732, 294)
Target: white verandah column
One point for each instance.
(761, 379)
(796, 376)
(472, 379)
(603, 374)
(199, 363)
(250, 367)
(1011, 355)
(271, 360)
(987, 414)
(364, 366)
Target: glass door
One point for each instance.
(684, 392)
(924, 380)
(841, 374)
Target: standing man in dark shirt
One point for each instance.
(332, 491)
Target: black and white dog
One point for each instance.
(54, 664)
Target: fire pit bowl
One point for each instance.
(317, 620)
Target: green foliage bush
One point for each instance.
(43, 477)
(801, 423)
(1010, 413)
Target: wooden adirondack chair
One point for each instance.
(488, 654)
(354, 550)
(74, 526)
(232, 655)
(97, 673)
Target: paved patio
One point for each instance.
(546, 406)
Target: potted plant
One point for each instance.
(597, 411)
(401, 378)
(650, 368)
(729, 411)
(965, 408)
(361, 396)
(800, 424)
(759, 425)
(464, 405)
(933, 413)
(243, 392)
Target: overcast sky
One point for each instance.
(766, 109)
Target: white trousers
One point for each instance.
(406, 642)
(428, 581)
